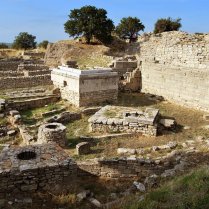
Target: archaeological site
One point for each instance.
(109, 118)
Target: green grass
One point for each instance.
(190, 191)
(75, 129)
(110, 113)
(31, 117)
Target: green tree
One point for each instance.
(43, 44)
(167, 24)
(3, 46)
(90, 22)
(129, 28)
(24, 41)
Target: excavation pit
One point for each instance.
(52, 126)
(27, 155)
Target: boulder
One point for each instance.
(17, 118)
(95, 202)
(83, 195)
(206, 117)
(11, 132)
(14, 112)
(168, 123)
(151, 181)
(2, 115)
(172, 144)
(168, 173)
(126, 151)
(139, 186)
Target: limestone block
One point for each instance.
(83, 148)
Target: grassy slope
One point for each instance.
(189, 191)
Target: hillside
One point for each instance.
(85, 55)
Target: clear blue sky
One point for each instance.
(45, 18)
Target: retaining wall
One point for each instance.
(25, 82)
(175, 65)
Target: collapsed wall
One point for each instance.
(175, 65)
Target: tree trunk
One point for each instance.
(88, 39)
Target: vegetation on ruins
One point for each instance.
(43, 44)
(187, 191)
(129, 28)
(167, 24)
(90, 22)
(3, 46)
(24, 41)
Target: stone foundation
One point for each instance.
(32, 103)
(125, 120)
(34, 168)
(20, 74)
(120, 168)
(24, 82)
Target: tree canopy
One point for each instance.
(167, 24)
(24, 41)
(43, 44)
(89, 22)
(129, 28)
(3, 46)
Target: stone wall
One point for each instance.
(98, 97)
(86, 87)
(125, 121)
(8, 73)
(52, 132)
(33, 168)
(32, 67)
(175, 65)
(32, 103)
(18, 73)
(24, 82)
(123, 66)
(146, 130)
(9, 64)
(120, 168)
(131, 81)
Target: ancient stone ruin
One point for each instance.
(86, 87)
(36, 145)
(34, 167)
(175, 66)
(120, 119)
(52, 132)
(19, 73)
(124, 65)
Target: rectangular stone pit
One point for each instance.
(32, 168)
(112, 119)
